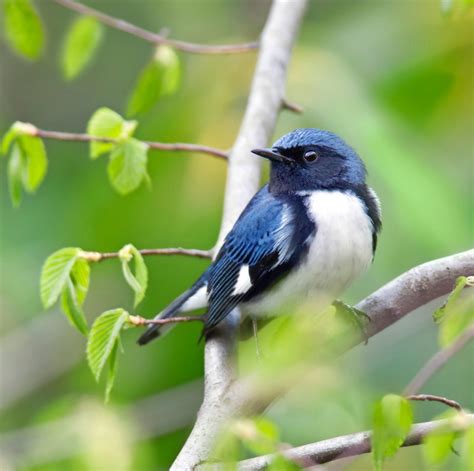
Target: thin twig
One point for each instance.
(438, 361)
(142, 321)
(290, 106)
(99, 256)
(348, 445)
(156, 38)
(431, 397)
(178, 146)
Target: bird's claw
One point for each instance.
(360, 318)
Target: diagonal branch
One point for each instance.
(344, 446)
(438, 360)
(243, 179)
(156, 38)
(167, 146)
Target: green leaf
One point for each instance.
(80, 276)
(147, 89)
(138, 281)
(36, 162)
(169, 61)
(438, 446)
(127, 165)
(112, 371)
(72, 308)
(15, 170)
(23, 28)
(457, 314)
(392, 420)
(80, 45)
(104, 123)
(159, 77)
(55, 274)
(103, 337)
(259, 435)
(280, 463)
(467, 449)
(8, 139)
(453, 296)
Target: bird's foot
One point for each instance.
(360, 318)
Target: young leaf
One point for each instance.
(72, 308)
(112, 371)
(103, 337)
(127, 165)
(259, 435)
(159, 77)
(8, 139)
(80, 276)
(80, 45)
(36, 161)
(138, 281)
(23, 28)
(467, 449)
(392, 420)
(171, 69)
(453, 296)
(280, 463)
(147, 89)
(457, 314)
(15, 170)
(55, 274)
(104, 123)
(438, 446)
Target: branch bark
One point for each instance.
(243, 179)
(156, 38)
(342, 447)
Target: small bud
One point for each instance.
(125, 253)
(26, 129)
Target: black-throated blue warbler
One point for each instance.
(309, 232)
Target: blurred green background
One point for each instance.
(395, 79)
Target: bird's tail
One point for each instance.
(173, 309)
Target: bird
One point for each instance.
(306, 234)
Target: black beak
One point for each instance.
(269, 154)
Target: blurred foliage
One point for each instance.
(393, 78)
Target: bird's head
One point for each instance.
(311, 159)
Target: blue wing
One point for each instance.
(267, 240)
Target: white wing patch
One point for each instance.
(283, 233)
(243, 281)
(197, 301)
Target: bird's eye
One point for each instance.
(311, 156)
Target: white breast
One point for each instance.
(340, 251)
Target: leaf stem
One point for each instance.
(157, 38)
(178, 146)
(99, 256)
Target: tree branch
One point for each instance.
(99, 256)
(79, 137)
(438, 360)
(156, 38)
(414, 289)
(344, 446)
(243, 179)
